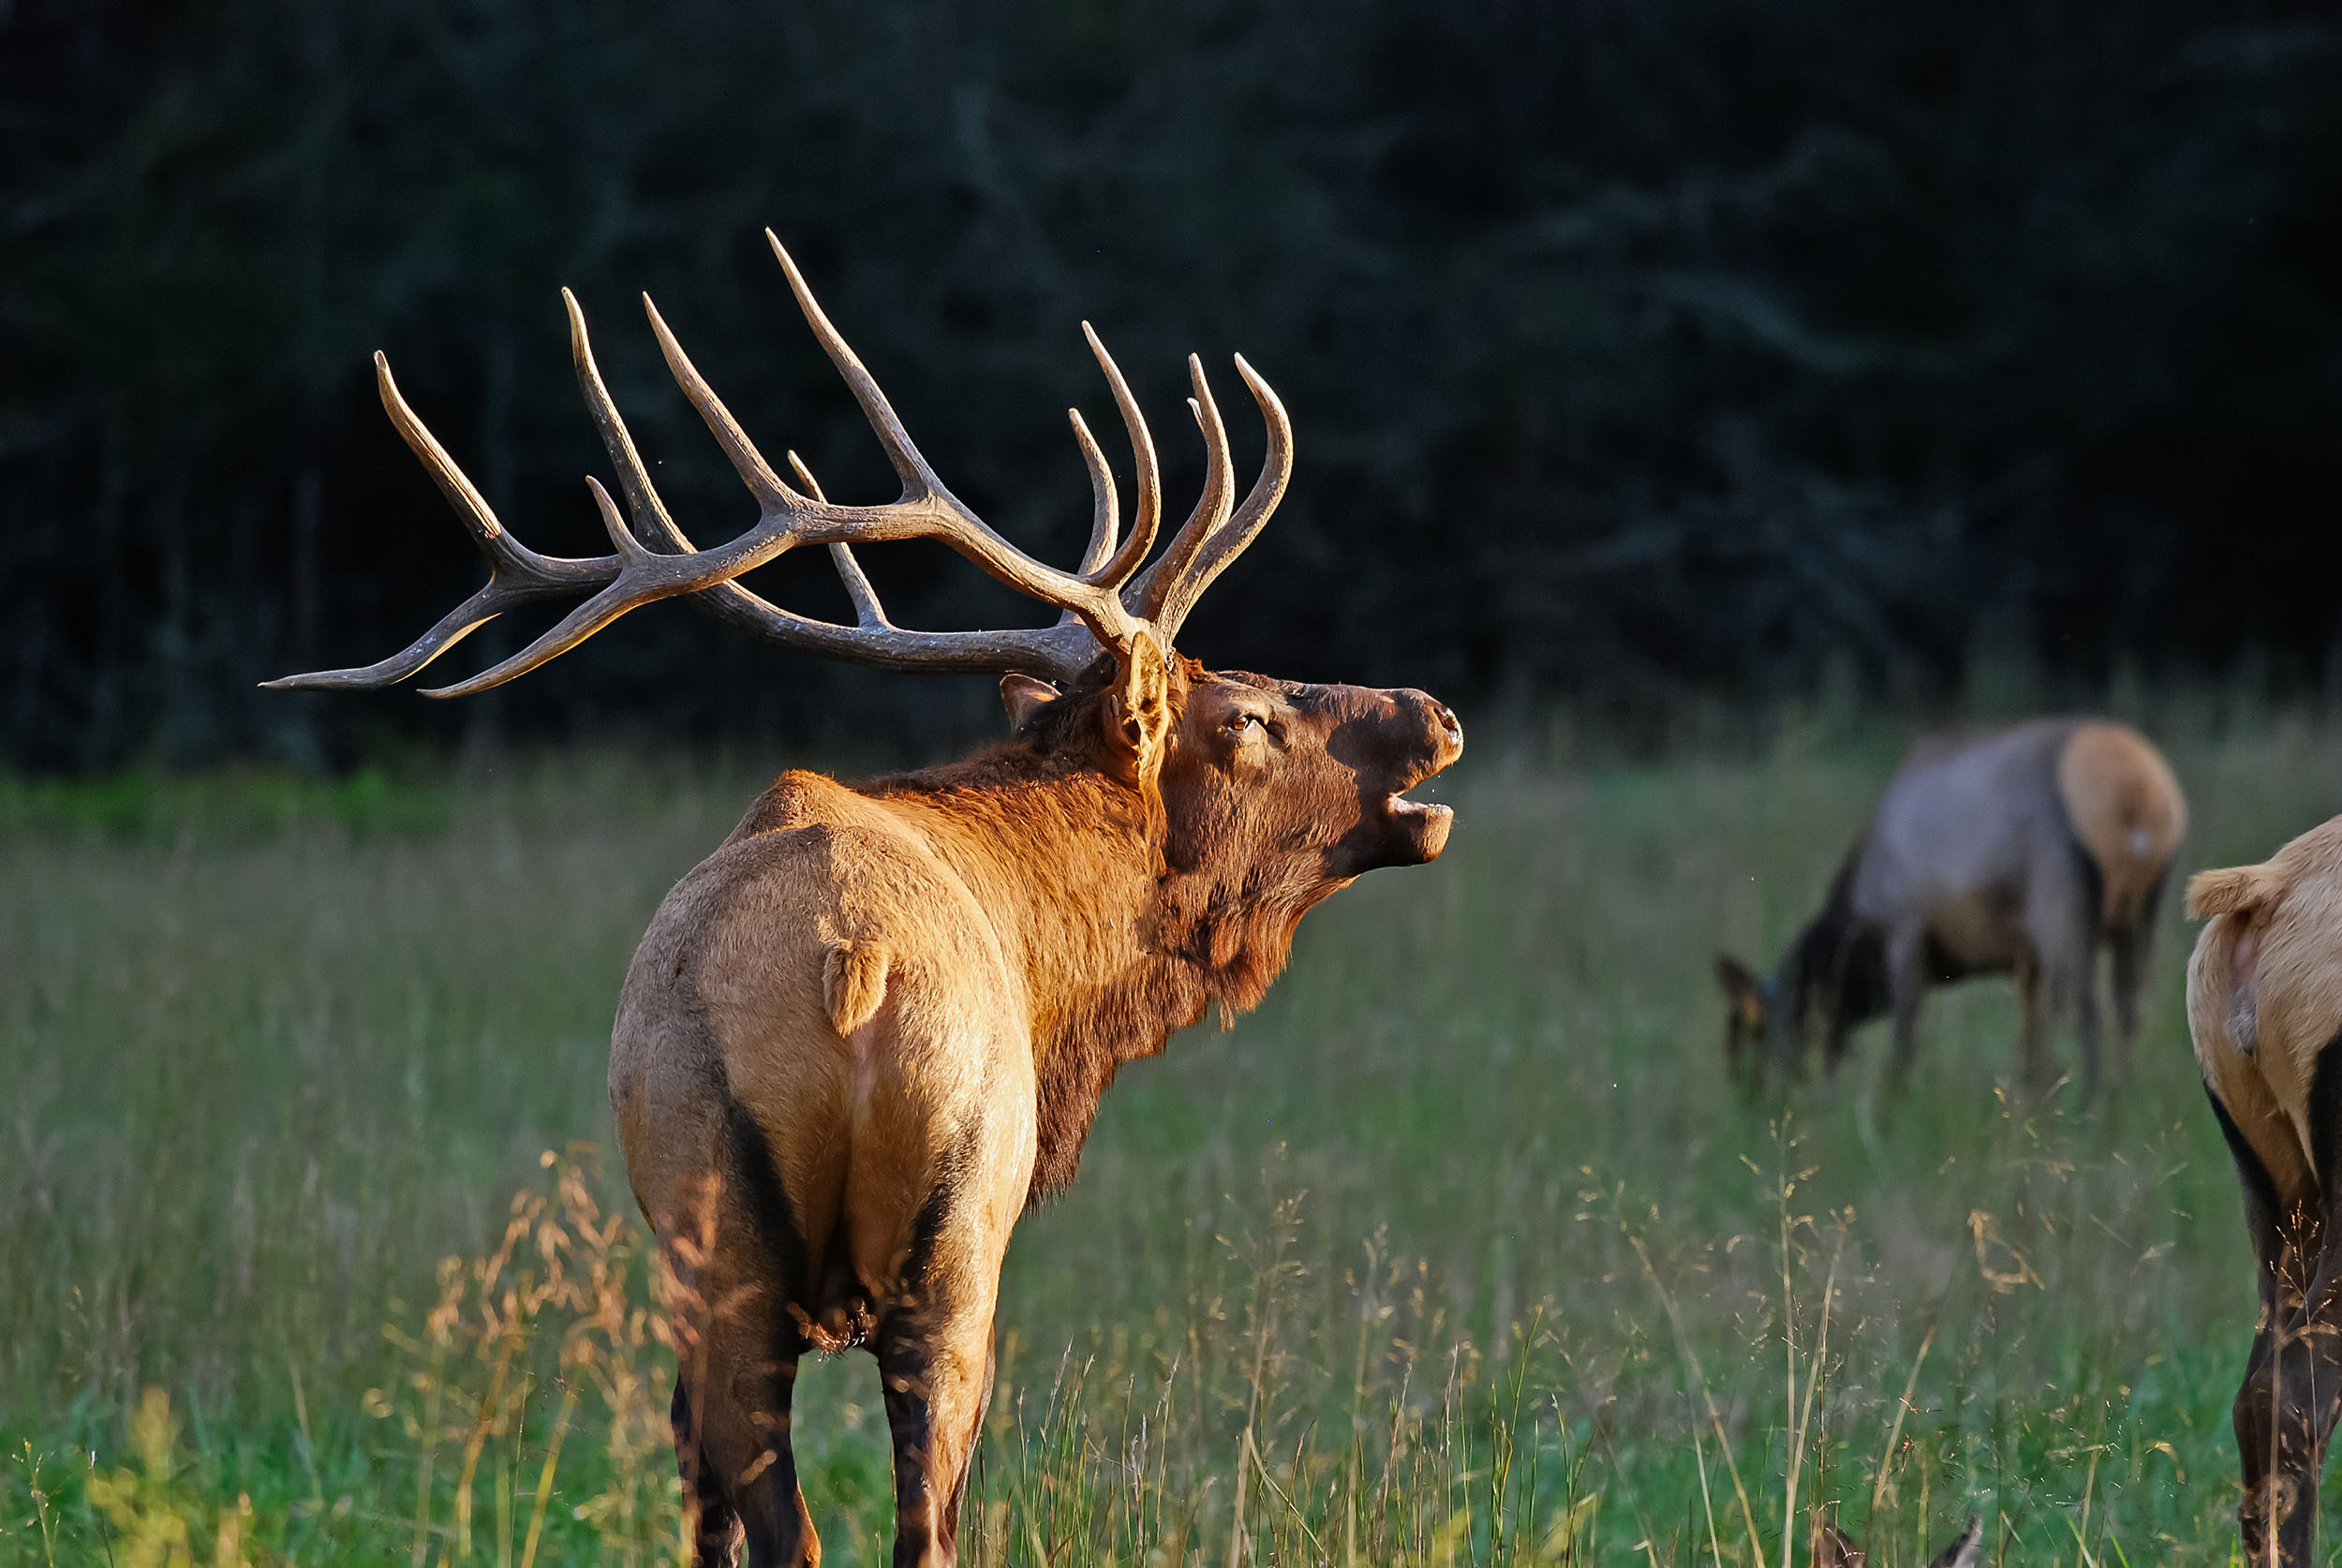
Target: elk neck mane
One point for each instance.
(1128, 923)
(1834, 957)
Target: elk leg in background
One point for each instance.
(2129, 943)
(2133, 942)
(1907, 984)
(2033, 1064)
(2061, 923)
(2083, 980)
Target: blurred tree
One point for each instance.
(1634, 348)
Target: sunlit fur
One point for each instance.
(873, 1027)
(2264, 1008)
(2014, 851)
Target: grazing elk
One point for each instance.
(1832, 1549)
(870, 1030)
(2010, 850)
(2264, 1006)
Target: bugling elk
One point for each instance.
(2020, 851)
(2264, 1006)
(871, 1029)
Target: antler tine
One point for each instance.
(655, 527)
(1103, 512)
(918, 478)
(1155, 586)
(516, 574)
(1229, 541)
(868, 613)
(773, 497)
(1148, 513)
(652, 525)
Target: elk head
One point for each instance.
(1757, 1026)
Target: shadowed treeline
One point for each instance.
(1633, 349)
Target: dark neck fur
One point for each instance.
(1834, 960)
(1119, 946)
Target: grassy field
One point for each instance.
(1462, 1250)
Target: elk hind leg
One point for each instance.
(935, 1357)
(2280, 1242)
(2303, 1368)
(2132, 941)
(738, 1346)
(734, 1397)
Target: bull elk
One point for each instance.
(2016, 851)
(871, 1029)
(2264, 1007)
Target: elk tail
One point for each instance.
(2233, 888)
(854, 985)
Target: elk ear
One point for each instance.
(1139, 726)
(1023, 697)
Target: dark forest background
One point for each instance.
(1636, 347)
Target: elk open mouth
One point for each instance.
(1400, 806)
(1420, 828)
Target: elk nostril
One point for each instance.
(1448, 722)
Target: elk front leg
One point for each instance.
(1907, 984)
(2033, 1063)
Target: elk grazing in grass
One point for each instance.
(2016, 851)
(2264, 1006)
(871, 1029)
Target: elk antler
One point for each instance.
(1102, 605)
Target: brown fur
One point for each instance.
(877, 1021)
(2264, 1009)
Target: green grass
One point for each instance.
(1462, 1250)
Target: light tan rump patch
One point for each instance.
(854, 985)
(2126, 809)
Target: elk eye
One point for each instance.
(1238, 727)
